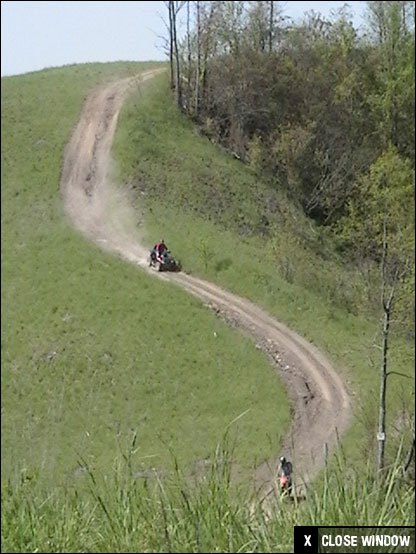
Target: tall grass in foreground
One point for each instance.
(125, 513)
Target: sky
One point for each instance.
(40, 34)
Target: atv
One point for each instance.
(164, 261)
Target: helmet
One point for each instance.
(162, 241)
(282, 459)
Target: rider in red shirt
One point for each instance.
(285, 474)
(158, 249)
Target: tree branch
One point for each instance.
(409, 456)
(397, 373)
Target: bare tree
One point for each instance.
(189, 72)
(198, 56)
(271, 25)
(175, 73)
(392, 273)
(207, 49)
(170, 45)
(176, 6)
(387, 305)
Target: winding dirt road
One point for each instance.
(320, 403)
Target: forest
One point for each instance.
(318, 108)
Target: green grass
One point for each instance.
(210, 207)
(95, 352)
(125, 514)
(92, 348)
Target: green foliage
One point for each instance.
(255, 155)
(311, 104)
(384, 195)
(123, 513)
(206, 253)
(380, 226)
(392, 100)
(292, 150)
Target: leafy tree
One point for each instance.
(380, 224)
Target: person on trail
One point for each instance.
(158, 249)
(285, 475)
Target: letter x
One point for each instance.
(307, 540)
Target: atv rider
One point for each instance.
(285, 475)
(158, 249)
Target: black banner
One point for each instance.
(343, 540)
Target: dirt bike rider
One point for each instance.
(285, 474)
(158, 249)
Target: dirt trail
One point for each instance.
(320, 403)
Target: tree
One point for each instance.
(170, 30)
(258, 26)
(380, 224)
(175, 70)
(271, 24)
(188, 42)
(347, 97)
(198, 56)
(393, 101)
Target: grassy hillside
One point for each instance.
(93, 350)
(107, 372)
(235, 230)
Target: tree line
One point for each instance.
(311, 105)
(321, 109)
(317, 107)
